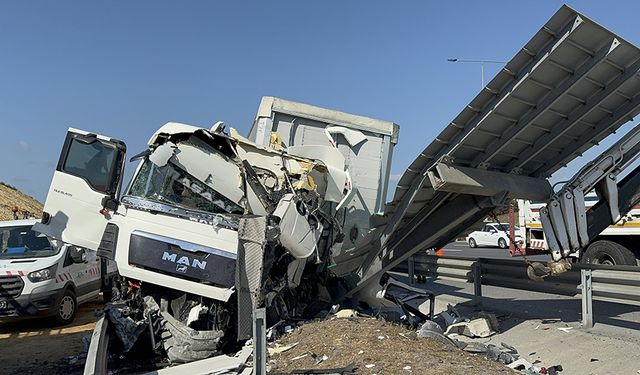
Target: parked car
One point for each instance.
(493, 234)
(39, 277)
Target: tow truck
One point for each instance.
(292, 218)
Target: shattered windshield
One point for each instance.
(171, 185)
(22, 242)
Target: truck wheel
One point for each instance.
(66, 311)
(502, 243)
(472, 243)
(610, 253)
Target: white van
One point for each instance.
(38, 277)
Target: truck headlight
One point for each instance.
(43, 274)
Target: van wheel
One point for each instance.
(609, 253)
(502, 243)
(66, 311)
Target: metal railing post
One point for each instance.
(260, 341)
(412, 270)
(587, 301)
(477, 282)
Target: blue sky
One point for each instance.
(123, 68)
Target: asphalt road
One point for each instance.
(462, 249)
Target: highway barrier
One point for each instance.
(620, 284)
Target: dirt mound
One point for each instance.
(12, 199)
(390, 348)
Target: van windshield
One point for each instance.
(171, 185)
(22, 242)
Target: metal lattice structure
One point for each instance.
(569, 87)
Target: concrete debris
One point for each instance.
(275, 331)
(565, 329)
(281, 349)
(520, 364)
(497, 354)
(494, 323)
(476, 328)
(370, 365)
(318, 358)
(288, 329)
(476, 347)
(300, 357)
(431, 329)
(346, 313)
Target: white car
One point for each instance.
(493, 234)
(38, 277)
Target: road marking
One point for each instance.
(445, 249)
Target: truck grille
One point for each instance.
(10, 286)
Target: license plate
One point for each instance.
(3, 305)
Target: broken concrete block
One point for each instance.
(432, 330)
(476, 328)
(280, 349)
(346, 313)
(475, 347)
(520, 364)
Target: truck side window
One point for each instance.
(93, 162)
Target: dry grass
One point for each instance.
(365, 341)
(11, 198)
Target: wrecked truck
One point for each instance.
(293, 217)
(213, 224)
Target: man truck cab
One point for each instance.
(42, 277)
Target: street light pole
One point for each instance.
(481, 62)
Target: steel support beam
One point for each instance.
(545, 104)
(444, 224)
(574, 118)
(465, 180)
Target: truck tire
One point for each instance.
(472, 243)
(608, 252)
(502, 243)
(66, 311)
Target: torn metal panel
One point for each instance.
(221, 364)
(211, 168)
(466, 180)
(335, 164)
(353, 137)
(184, 344)
(300, 230)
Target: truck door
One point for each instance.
(83, 189)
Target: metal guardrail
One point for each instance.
(619, 284)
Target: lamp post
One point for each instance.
(481, 62)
